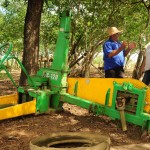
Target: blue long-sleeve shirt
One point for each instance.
(115, 61)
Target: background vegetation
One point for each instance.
(90, 20)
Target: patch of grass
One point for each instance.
(3, 76)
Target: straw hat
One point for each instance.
(113, 30)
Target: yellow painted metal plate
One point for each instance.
(95, 89)
(9, 99)
(18, 110)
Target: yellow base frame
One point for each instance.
(95, 89)
(9, 99)
(17, 109)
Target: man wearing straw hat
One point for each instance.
(114, 54)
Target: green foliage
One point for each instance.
(90, 20)
(49, 30)
(3, 76)
(12, 23)
(98, 60)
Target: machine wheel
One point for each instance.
(71, 141)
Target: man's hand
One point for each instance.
(132, 45)
(124, 44)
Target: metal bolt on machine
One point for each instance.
(125, 99)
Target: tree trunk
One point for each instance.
(31, 38)
(136, 72)
(89, 58)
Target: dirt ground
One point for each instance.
(16, 133)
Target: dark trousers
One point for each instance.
(115, 73)
(146, 78)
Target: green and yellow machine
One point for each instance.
(125, 99)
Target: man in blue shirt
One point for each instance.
(114, 54)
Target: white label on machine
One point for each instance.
(54, 76)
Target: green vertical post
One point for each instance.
(58, 71)
(62, 45)
(43, 100)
